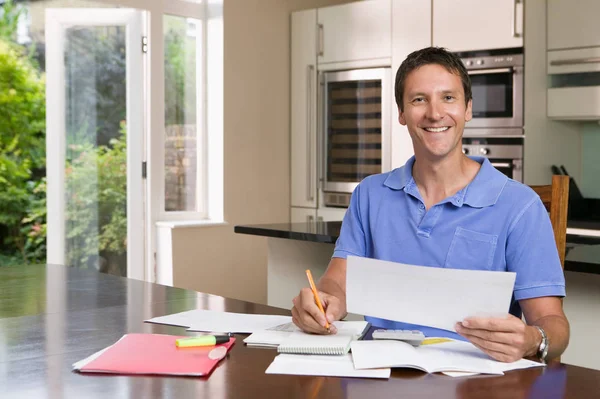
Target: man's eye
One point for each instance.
(449, 98)
(418, 100)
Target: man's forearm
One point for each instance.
(557, 329)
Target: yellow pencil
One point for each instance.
(317, 300)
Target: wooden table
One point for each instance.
(52, 316)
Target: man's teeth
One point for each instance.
(436, 129)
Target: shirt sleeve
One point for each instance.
(352, 239)
(531, 253)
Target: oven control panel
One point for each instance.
(497, 61)
(493, 151)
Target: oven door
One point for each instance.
(497, 97)
(513, 168)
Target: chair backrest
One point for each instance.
(556, 200)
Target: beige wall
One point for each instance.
(257, 153)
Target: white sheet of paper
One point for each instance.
(317, 365)
(210, 320)
(456, 358)
(447, 356)
(428, 296)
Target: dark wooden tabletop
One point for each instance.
(52, 316)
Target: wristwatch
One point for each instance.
(542, 351)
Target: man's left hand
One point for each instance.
(505, 339)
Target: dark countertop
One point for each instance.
(583, 252)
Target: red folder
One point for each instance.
(152, 354)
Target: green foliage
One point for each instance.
(33, 226)
(22, 123)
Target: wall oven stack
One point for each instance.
(496, 130)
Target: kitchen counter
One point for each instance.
(582, 255)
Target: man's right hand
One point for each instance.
(307, 315)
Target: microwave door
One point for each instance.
(497, 98)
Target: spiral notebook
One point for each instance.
(312, 344)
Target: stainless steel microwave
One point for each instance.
(497, 85)
(355, 128)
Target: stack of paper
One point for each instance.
(273, 337)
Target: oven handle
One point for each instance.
(484, 71)
(501, 164)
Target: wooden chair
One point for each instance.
(555, 197)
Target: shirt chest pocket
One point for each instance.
(471, 250)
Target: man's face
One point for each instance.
(434, 111)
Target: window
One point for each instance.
(184, 116)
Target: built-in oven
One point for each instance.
(497, 86)
(504, 153)
(355, 130)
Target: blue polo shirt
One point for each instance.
(494, 223)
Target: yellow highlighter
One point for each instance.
(433, 341)
(201, 340)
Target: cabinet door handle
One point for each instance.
(514, 21)
(321, 40)
(575, 61)
(309, 131)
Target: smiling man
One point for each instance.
(444, 209)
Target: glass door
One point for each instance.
(94, 141)
(356, 125)
(497, 97)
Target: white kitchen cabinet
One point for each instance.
(573, 24)
(304, 109)
(574, 84)
(355, 31)
(303, 215)
(330, 214)
(465, 25)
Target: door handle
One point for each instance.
(575, 61)
(494, 70)
(514, 21)
(501, 165)
(309, 175)
(321, 41)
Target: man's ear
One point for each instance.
(469, 111)
(401, 117)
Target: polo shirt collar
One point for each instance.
(400, 177)
(483, 191)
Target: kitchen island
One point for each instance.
(295, 247)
